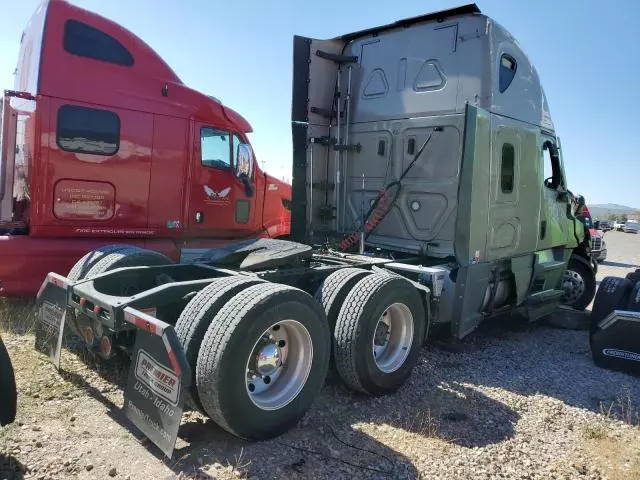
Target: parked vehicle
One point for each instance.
(598, 247)
(631, 227)
(605, 225)
(618, 226)
(422, 193)
(105, 144)
(8, 393)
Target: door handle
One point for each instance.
(543, 229)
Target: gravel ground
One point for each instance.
(515, 400)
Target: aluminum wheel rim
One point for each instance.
(393, 337)
(574, 286)
(279, 364)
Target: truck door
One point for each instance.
(219, 204)
(553, 225)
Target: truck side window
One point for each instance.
(86, 41)
(552, 172)
(214, 148)
(88, 130)
(507, 170)
(508, 68)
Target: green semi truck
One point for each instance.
(429, 190)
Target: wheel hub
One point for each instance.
(268, 360)
(279, 365)
(381, 337)
(573, 285)
(393, 337)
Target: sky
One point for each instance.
(586, 53)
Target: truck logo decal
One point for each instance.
(217, 196)
(273, 186)
(623, 354)
(162, 381)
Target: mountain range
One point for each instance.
(603, 210)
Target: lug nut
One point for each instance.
(276, 328)
(266, 379)
(252, 387)
(282, 343)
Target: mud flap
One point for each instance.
(615, 343)
(159, 378)
(52, 312)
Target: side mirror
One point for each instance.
(243, 168)
(244, 164)
(563, 196)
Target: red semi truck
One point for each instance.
(103, 143)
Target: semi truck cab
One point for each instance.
(103, 142)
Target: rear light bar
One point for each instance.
(54, 278)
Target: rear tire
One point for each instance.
(239, 343)
(379, 333)
(127, 257)
(334, 289)
(197, 316)
(8, 393)
(634, 298)
(330, 295)
(82, 266)
(579, 284)
(613, 293)
(634, 277)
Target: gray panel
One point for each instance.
(416, 68)
(431, 184)
(524, 99)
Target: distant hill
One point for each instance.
(604, 210)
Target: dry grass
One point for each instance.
(17, 316)
(618, 459)
(623, 408)
(595, 431)
(424, 424)
(617, 456)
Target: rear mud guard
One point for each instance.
(159, 375)
(159, 378)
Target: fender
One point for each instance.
(592, 264)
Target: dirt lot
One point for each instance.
(514, 401)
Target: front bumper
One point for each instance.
(599, 255)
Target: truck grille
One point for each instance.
(596, 243)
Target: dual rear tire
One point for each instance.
(262, 360)
(260, 351)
